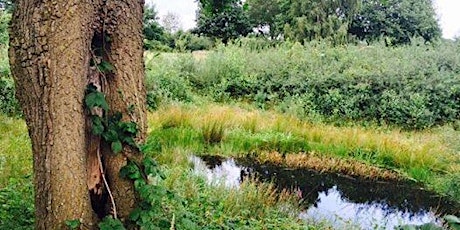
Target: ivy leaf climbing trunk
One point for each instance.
(55, 46)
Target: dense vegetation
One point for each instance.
(413, 87)
(339, 22)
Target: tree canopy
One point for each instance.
(151, 27)
(396, 20)
(223, 19)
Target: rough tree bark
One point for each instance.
(52, 44)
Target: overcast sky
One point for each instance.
(448, 13)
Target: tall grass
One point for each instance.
(16, 153)
(417, 155)
(216, 206)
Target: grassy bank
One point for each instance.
(427, 157)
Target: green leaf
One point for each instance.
(150, 166)
(130, 127)
(98, 126)
(130, 141)
(428, 226)
(453, 221)
(116, 117)
(109, 223)
(96, 99)
(117, 146)
(73, 224)
(130, 171)
(135, 214)
(111, 135)
(106, 67)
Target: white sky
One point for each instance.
(448, 13)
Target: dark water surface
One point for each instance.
(345, 202)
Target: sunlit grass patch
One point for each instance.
(15, 153)
(322, 163)
(239, 131)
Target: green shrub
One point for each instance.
(167, 79)
(17, 205)
(8, 103)
(4, 21)
(413, 87)
(156, 45)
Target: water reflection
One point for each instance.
(343, 201)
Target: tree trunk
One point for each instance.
(52, 44)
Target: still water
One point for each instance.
(344, 202)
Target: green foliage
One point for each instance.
(398, 21)
(428, 226)
(8, 102)
(152, 29)
(108, 223)
(225, 20)
(186, 41)
(73, 224)
(5, 18)
(105, 67)
(113, 130)
(95, 98)
(15, 154)
(453, 221)
(17, 204)
(263, 13)
(148, 214)
(167, 79)
(413, 87)
(8, 5)
(309, 20)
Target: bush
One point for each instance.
(17, 205)
(167, 79)
(413, 87)
(8, 103)
(4, 21)
(191, 42)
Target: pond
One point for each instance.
(345, 202)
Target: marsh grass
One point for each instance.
(417, 155)
(253, 205)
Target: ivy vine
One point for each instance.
(111, 128)
(145, 175)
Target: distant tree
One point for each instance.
(6, 5)
(262, 13)
(223, 19)
(171, 22)
(306, 20)
(151, 27)
(398, 21)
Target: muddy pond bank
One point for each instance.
(341, 200)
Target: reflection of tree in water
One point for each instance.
(392, 194)
(212, 161)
